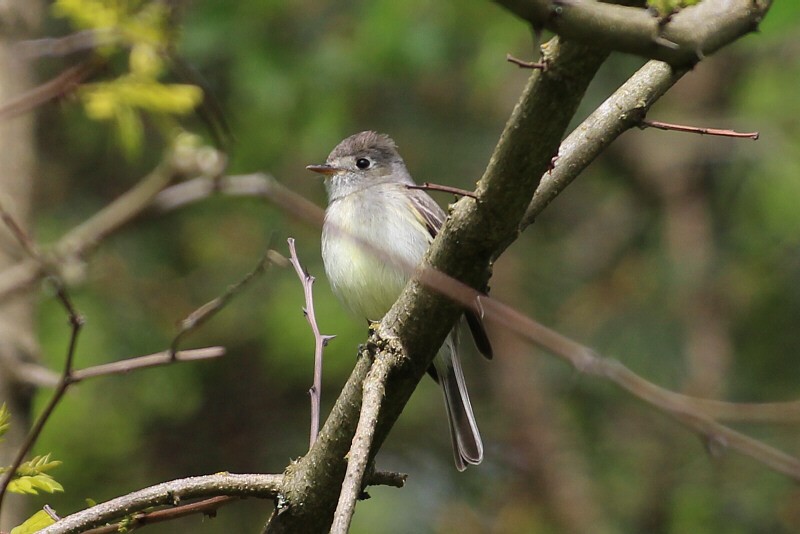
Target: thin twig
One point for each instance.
(526, 64)
(169, 494)
(320, 341)
(620, 112)
(205, 312)
(427, 186)
(646, 123)
(207, 507)
(681, 407)
(386, 478)
(358, 457)
(165, 357)
(66, 45)
(76, 322)
(22, 237)
(61, 85)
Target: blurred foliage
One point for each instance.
(141, 30)
(672, 252)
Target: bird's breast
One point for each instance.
(371, 245)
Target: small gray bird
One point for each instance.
(375, 234)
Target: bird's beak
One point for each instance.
(327, 170)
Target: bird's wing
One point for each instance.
(432, 216)
(427, 211)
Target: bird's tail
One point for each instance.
(467, 445)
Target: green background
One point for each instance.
(678, 255)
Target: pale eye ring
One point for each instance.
(363, 163)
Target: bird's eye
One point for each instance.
(363, 163)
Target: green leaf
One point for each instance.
(34, 523)
(31, 477)
(32, 485)
(36, 465)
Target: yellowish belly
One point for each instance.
(370, 254)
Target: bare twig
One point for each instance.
(358, 457)
(76, 322)
(61, 85)
(66, 45)
(645, 123)
(257, 184)
(320, 341)
(387, 478)
(427, 186)
(521, 63)
(169, 494)
(205, 312)
(620, 112)
(207, 507)
(165, 357)
(18, 232)
(681, 407)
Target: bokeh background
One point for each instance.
(679, 255)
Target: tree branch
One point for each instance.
(207, 507)
(475, 233)
(169, 494)
(205, 312)
(320, 341)
(183, 160)
(681, 40)
(646, 123)
(359, 455)
(620, 112)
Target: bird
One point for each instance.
(375, 232)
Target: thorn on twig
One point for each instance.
(716, 445)
(645, 123)
(552, 165)
(542, 65)
(427, 186)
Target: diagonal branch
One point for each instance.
(474, 234)
(681, 39)
(620, 112)
(183, 160)
(359, 455)
(57, 87)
